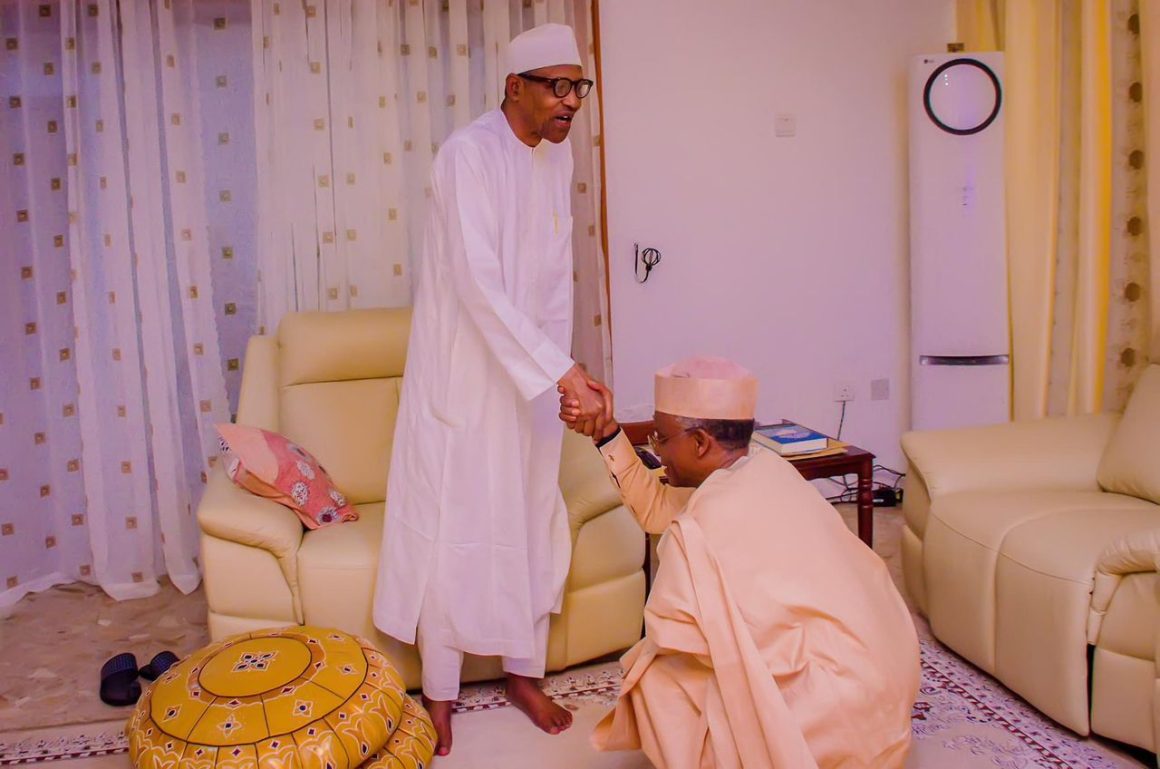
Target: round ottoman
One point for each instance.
(294, 697)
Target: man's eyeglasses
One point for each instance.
(562, 86)
(655, 441)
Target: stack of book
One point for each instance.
(790, 439)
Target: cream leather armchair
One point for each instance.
(331, 382)
(1034, 555)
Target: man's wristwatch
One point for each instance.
(608, 438)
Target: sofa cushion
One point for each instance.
(1043, 591)
(1131, 461)
(342, 346)
(350, 427)
(1067, 545)
(351, 548)
(338, 568)
(271, 466)
(989, 517)
(965, 537)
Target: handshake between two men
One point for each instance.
(586, 404)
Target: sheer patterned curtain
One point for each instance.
(110, 327)
(130, 250)
(352, 99)
(1079, 152)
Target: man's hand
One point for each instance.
(610, 426)
(588, 406)
(572, 408)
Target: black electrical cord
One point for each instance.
(849, 492)
(897, 476)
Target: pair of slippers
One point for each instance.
(119, 684)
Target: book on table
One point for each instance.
(790, 438)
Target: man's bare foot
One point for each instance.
(440, 712)
(526, 694)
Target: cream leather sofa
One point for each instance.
(1033, 549)
(331, 382)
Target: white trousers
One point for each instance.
(442, 663)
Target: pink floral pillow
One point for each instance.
(271, 466)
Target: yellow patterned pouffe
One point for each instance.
(294, 698)
(412, 744)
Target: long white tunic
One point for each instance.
(473, 501)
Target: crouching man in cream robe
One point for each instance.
(773, 636)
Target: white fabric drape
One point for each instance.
(110, 325)
(352, 99)
(129, 244)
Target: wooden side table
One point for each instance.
(855, 461)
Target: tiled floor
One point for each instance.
(55, 642)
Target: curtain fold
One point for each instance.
(112, 330)
(1090, 327)
(1077, 250)
(979, 24)
(1149, 159)
(1033, 62)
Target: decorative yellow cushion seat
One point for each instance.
(412, 744)
(294, 698)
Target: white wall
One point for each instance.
(788, 255)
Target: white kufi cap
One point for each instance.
(548, 45)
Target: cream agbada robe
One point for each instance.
(774, 637)
(473, 504)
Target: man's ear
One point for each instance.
(513, 87)
(704, 442)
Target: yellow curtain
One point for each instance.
(1061, 169)
(1090, 324)
(1033, 119)
(978, 26)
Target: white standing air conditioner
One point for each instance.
(960, 339)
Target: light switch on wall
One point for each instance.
(784, 125)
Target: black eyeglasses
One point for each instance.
(562, 86)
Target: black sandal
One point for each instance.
(158, 665)
(119, 684)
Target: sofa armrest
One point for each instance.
(588, 491)
(1058, 453)
(233, 514)
(1134, 553)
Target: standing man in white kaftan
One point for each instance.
(476, 545)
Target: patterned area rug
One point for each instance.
(968, 712)
(962, 715)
